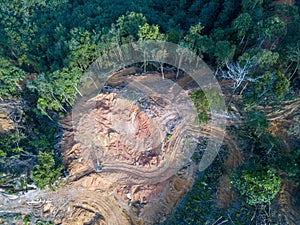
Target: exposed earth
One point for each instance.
(128, 152)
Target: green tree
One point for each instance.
(229, 10)
(150, 32)
(204, 100)
(257, 123)
(10, 144)
(281, 84)
(194, 37)
(249, 5)
(56, 90)
(242, 25)
(272, 84)
(259, 185)
(17, 28)
(261, 59)
(209, 13)
(46, 172)
(129, 24)
(253, 7)
(270, 30)
(174, 35)
(223, 52)
(83, 47)
(201, 104)
(9, 75)
(294, 58)
(197, 42)
(147, 32)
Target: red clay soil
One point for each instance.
(118, 150)
(129, 159)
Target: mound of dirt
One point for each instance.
(128, 151)
(131, 143)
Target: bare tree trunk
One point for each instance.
(242, 39)
(244, 88)
(179, 64)
(145, 62)
(78, 90)
(230, 99)
(297, 66)
(162, 70)
(261, 43)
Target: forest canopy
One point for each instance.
(45, 46)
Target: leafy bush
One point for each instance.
(204, 100)
(281, 85)
(46, 172)
(201, 104)
(259, 185)
(9, 74)
(9, 144)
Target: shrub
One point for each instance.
(46, 172)
(259, 184)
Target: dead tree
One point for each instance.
(239, 75)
